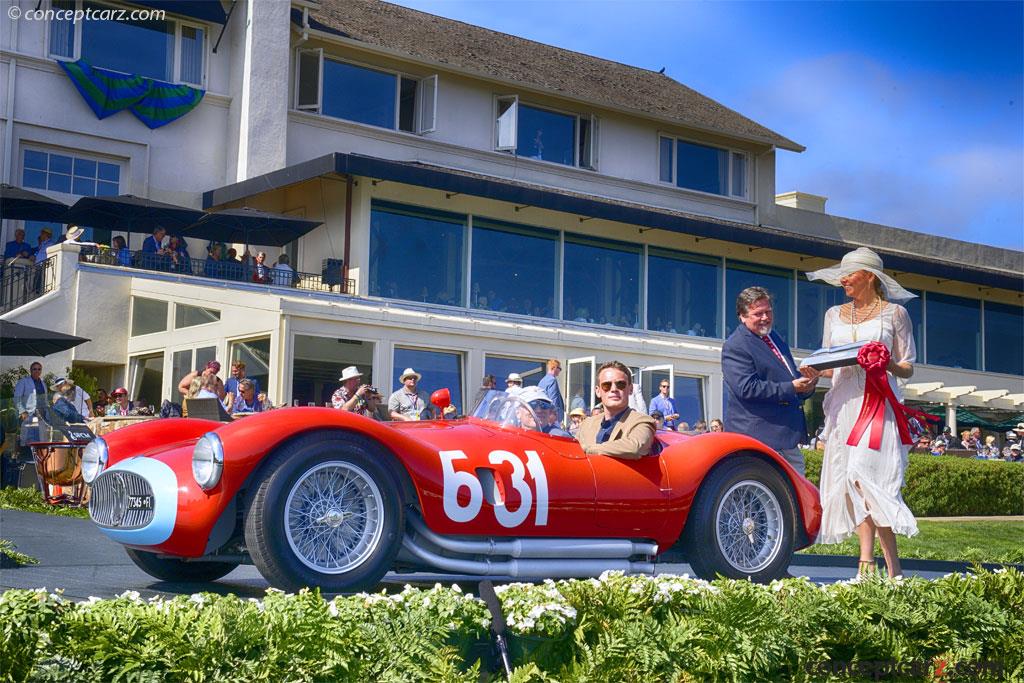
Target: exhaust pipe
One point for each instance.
(538, 547)
(560, 568)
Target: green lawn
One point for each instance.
(31, 500)
(963, 541)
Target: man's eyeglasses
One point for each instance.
(35, 369)
(620, 384)
(664, 386)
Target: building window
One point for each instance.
(417, 254)
(255, 353)
(148, 316)
(778, 282)
(915, 308)
(813, 299)
(440, 370)
(147, 373)
(317, 364)
(1004, 338)
(357, 93)
(187, 360)
(603, 282)
(532, 370)
(683, 293)
(702, 167)
(69, 173)
(164, 49)
(953, 331)
(546, 135)
(190, 316)
(515, 269)
(688, 394)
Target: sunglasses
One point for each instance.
(620, 384)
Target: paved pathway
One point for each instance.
(75, 556)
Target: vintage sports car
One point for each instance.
(322, 497)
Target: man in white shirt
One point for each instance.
(408, 403)
(76, 396)
(283, 273)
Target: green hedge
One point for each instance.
(945, 486)
(615, 628)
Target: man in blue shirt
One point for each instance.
(45, 242)
(549, 385)
(664, 404)
(18, 247)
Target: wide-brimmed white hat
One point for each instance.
(349, 372)
(862, 258)
(409, 372)
(514, 377)
(74, 232)
(60, 382)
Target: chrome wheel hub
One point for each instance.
(749, 526)
(334, 517)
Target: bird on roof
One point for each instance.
(662, 70)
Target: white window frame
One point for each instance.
(319, 52)
(588, 164)
(74, 154)
(176, 61)
(729, 171)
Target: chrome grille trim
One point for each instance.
(109, 500)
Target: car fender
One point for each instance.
(147, 438)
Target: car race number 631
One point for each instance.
(455, 481)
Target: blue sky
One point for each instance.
(910, 112)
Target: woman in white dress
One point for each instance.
(860, 486)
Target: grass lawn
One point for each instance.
(31, 500)
(963, 541)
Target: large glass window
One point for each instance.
(532, 370)
(954, 331)
(777, 281)
(1004, 338)
(68, 173)
(688, 393)
(417, 255)
(440, 370)
(602, 281)
(187, 360)
(813, 299)
(148, 316)
(190, 316)
(147, 373)
(317, 365)
(356, 93)
(683, 293)
(515, 269)
(546, 135)
(702, 167)
(255, 353)
(915, 309)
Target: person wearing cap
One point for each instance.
(45, 242)
(537, 411)
(121, 405)
(211, 368)
(938, 447)
(64, 387)
(1013, 453)
(860, 486)
(231, 387)
(513, 383)
(549, 385)
(353, 396)
(408, 403)
(576, 417)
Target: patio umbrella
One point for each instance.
(24, 340)
(250, 226)
(19, 203)
(128, 213)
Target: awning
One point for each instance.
(24, 340)
(590, 206)
(249, 226)
(969, 418)
(20, 204)
(967, 395)
(204, 10)
(128, 213)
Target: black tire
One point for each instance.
(364, 511)
(179, 571)
(769, 525)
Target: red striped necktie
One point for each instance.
(778, 354)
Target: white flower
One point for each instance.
(197, 598)
(456, 588)
(332, 609)
(131, 595)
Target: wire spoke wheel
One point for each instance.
(334, 517)
(749, 526)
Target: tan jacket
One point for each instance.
(630, 439)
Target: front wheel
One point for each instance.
(327, 513)
(179, 571)
(742, 524)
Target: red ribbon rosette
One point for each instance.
(874, 357)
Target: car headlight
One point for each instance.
(208, 461)
(94, 459)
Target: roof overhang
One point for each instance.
(937, 392)
(590, 206)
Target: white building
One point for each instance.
(495, 201)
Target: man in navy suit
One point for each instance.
(763, 389)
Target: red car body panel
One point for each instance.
(586, 496)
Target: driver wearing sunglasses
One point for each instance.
(618, 430)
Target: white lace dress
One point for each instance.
(857, 481)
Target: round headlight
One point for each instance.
(94, 459)
(208, 461)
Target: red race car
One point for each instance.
(322, 497)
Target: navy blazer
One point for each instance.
(760, 399)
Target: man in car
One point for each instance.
(618, 431)
(545, 410)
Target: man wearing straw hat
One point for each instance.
(408, 403)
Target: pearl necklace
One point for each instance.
(868, 315)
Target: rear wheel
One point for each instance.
(743, 522)
(181, 571)
(327, 513)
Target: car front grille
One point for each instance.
(108, 504)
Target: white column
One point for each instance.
(951, 417)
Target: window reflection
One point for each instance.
(358, 94)
(689, 398)
(813, 299)
(515, 269)
(1004, 338)
(532, 370)
(546, 135)
(954, 331)
(416, 255)
(682, 293)
(144, 48)
(440, 370)
(603, 285)
(914, 308)
(699, 167)
(779, 283)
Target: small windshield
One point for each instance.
(511, 410)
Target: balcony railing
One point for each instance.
(22, 281)
(215, 270)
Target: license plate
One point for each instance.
(140, 502)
